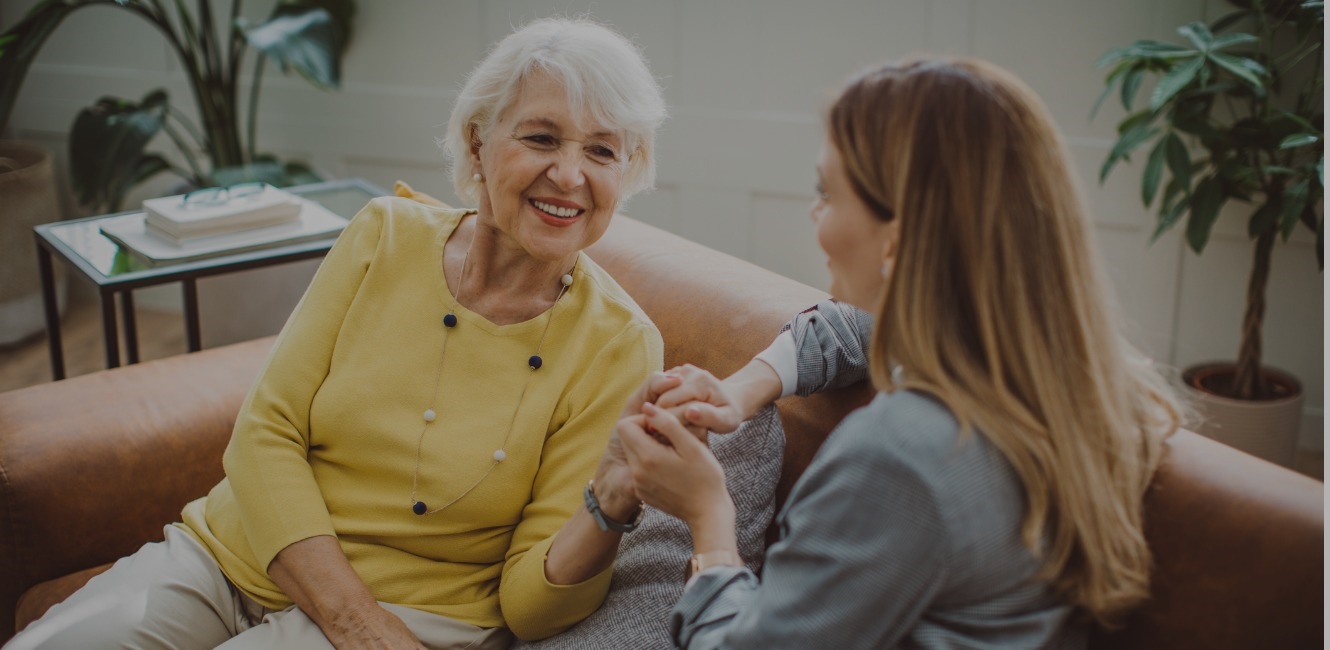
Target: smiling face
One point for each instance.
(551, 181)
(860, 245)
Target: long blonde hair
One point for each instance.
(997, 306)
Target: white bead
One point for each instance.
(477, 177)
(499, 455)
(429, 415)
(567, 279)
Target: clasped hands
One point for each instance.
(658, 453)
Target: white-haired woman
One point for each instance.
(991, 494)
(411, 467)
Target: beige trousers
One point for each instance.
(171, 595)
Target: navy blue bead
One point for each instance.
(534, 362)
(419, 508)
(450, 321)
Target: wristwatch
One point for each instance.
(712, 558)
(605, 523)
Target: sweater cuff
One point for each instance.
(783, 357)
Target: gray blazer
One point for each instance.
(903, 532)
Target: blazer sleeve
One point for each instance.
(831, 346)
(862, 554)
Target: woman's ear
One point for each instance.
(473, 132)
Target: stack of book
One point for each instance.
(171, 230)
(179, 220)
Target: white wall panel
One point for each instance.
(784, 240)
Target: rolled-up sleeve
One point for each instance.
(831, 342)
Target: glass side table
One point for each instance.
(100, 260)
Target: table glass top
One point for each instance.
(84, 239)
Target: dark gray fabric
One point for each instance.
(831, 346)
(649, 570)
(903, 532)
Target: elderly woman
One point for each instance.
(411, 467)
(991, 494)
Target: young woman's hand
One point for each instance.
(701, 401)
(681, 478)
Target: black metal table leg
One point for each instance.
(192, 336)
(131, 329)
(53, 339)
(109, 329)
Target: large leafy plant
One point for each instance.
(1234, 114)
(108, 143)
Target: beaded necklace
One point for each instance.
(534, 363)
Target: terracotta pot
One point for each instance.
(29, 197)
(1263, 428)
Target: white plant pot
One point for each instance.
(1266, 429)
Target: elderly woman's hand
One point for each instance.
(614, 485)
(682, 478)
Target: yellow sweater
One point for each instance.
(326, 441)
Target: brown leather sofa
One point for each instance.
(93, 467)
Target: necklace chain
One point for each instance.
(534, 363)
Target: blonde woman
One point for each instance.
(990, 495)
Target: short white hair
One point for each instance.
(603, 73)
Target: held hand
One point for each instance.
(682, 477)
(701, 401)
(614, 485)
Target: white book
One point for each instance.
(177, 219)
(131, 232)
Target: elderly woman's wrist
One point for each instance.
(617, 503)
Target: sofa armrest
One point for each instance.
(93, 467)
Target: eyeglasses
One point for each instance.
(212, 196)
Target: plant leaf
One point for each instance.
(1295, 200)
(308, 36)
(1179, 160)
(1199, 34)
(1154, 170)
(1205, 202)
(107, 142)
(1229, 40)
(1249, 70)
(1169, 211)
(1130, 84)
(1145, 51)
(1174, 81)
(1299, 140)
(1108, 85)
(21, 43)
(1125, 145)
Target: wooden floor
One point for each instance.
(28, 362)
(162, 334)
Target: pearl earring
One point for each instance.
(886, 270)
(478, 178)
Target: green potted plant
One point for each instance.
(1235, 114)
(108, 143)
